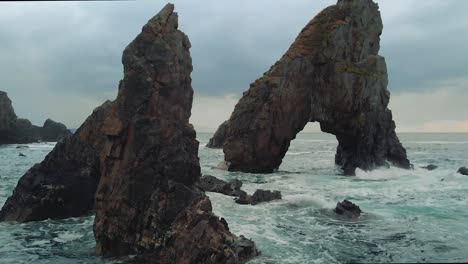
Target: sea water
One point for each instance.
(409, 215)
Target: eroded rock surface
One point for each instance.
(147, 202)
(331, 74)
(65, 183)
(15, 130)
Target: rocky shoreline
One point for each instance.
(134, 162)
(14, 130)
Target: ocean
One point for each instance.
(409, 215)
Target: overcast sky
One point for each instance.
(62, 59)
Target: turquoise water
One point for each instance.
(409, 216)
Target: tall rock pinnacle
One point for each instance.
(331, 74)
(146, 201)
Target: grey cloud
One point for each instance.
(73, 50)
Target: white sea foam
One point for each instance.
(381, 174)
(67, 236)
(436, 142)
(297, 153)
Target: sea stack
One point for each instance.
(331, 74)
(14, 130)
(147, 202)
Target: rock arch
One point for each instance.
(331, 74)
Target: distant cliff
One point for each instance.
(15, 130)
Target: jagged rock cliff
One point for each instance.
(331, 74)
(16, 130)
(142, 151)
(147, 201)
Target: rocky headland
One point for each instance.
(331, 74)
(14, 130)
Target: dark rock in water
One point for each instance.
(331, 74)
(348, 209)
(430, 167)
(64, 184)
(147, 201)
(210, 183)
(265, 196)
(15, 130)
(219, 137)
(259, 196)
(21, 155)
(61, 186)
(463, 170)
(245, 199)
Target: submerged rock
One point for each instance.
(331, 74)
(463, 170)
(430, 167)
(15, 130)
(348, 209)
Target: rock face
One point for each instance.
(348, 209)
(14, 130)
(331, 74)
(147, 201)
(64, 184)
(219, 136)
(463, 170)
